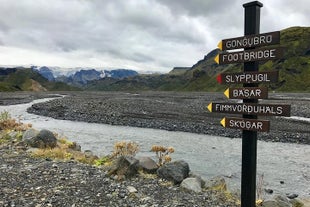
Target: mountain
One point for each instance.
(7, 71)
(294, 67)
(82, 77)
(294, 70)
(45, 72)
(27, 79)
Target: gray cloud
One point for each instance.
(140, 34)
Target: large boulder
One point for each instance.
(192, 184)
(30, 134)
(124, 167)
(44, 139)
(175, 171)
(216, 183)
(277, 201)
(147, 165)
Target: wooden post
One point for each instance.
(249, 138)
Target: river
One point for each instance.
(286, 167)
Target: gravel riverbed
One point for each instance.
(33, 182)
(175, 111)
(28, 181)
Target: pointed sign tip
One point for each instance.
(210, 107)
(220, 45)
(226, 92)
(223, 122)
(217, 59)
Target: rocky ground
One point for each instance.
(28, 181)
(175, 111)
(22, 97)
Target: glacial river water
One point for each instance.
(207, 156)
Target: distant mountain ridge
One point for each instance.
(27, 79)
(83, 76)
(294, 73)
(294, 70)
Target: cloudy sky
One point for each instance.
(145, 35)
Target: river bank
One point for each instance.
(29, 181)
(208, 156)
(175, 111)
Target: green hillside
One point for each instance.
(29, 80)
(294, 69)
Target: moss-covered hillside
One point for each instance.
(294, 67)
(29, 80)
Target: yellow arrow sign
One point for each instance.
(220, 45)
(217, 59)
(210, 107)
(223, 122)
(226, 93)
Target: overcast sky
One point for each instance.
(145, 35)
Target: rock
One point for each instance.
(277, 201)
(191, 184)
(281, 198)
(124, 167)
(75, 146)
(131, 189)
(44, 139)
(269, 191)
(203, 183)
(298, 203)
(291, 195)
(29, 134)
(88, 153)
(216, 183)
(147, 165)
(273, 203)
(175, 171)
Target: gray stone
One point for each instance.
(292, 195)
(174, 171)
(216, 183)
(124, 167)
(274, 203)
(29, 134)
(298, 203)
(277, 201)
(88, 153)
(282, 200)
(191, 184)
(75, 146)
(202, 181)
(147, 165)
(131, 189)
(44, 139)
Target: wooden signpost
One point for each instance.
(247, 124)
(249, 55)
(246, 93)
(248, 41)
(250, 92)
(251, 109)
(248, 77)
